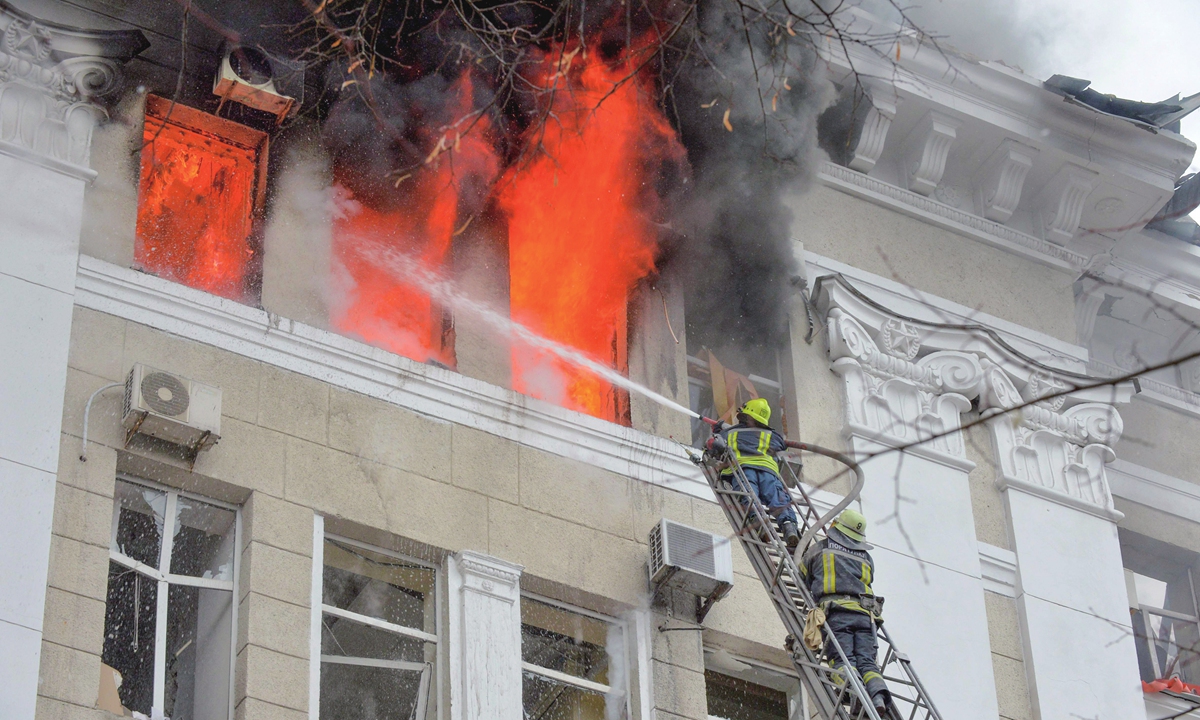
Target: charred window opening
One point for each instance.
(720, 395)
(169, 615)
(573, 664)
(199, 200)
(1161, 584)
(731, 698)
(378, 635)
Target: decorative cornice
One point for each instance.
(49, 76)
(931, 141)
(1001, 179)
(873, 137)
(489, 575)
(1059, 217)
(951, 218)
(352, 365)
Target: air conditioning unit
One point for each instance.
(253, 78)
(691, 560)
(171, 408)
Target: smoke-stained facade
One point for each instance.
(416, 508)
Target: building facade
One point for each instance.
(376, 537)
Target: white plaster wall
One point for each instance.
(39, 249)
(895, 246)
(927, 568)
(1079, 650)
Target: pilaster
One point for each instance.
(485, 637)
(1079, 648)
(50, 77)
(904, 402)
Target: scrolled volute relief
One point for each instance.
(895, 400)
(1060, 456)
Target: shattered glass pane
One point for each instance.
(379, 586)
(138, 527)
(340, 636)
(199, 647)
(561, 640)
(546, 699)
(129, 625)
(355, 692)
(1175, 645)
(204, 539)
(730, 698)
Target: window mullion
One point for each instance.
(160, 628)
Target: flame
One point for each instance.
(181, 234)
(578, 234)
(380, 309)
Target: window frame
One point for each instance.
(166, 579)
(431, 683)
(788, 683)
(572, 680)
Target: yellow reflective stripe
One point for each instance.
(830, 585)
(866, 577)
(764, 442)
(870, 675)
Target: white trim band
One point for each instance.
(355, 366)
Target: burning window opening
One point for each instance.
(203, 181)
(581, 233)
(418, 215)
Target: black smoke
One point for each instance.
(736, 227)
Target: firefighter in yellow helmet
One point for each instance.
(839, 572)
(755, 446)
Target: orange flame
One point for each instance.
(380, 309)
(181, 234)
(579, 238)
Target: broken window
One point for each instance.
(379, 634)
(1161, 584)
(573, 664)
(202, 185)
(733, 389)
(169, 613)
(744, 689)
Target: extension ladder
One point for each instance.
(833, 699)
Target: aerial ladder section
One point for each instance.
(832, 696)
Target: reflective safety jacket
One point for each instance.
(754, 446)
(838, 575)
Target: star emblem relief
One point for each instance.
(27, 39)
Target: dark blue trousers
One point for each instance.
(771, 493)
(855, 632)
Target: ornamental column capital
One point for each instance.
(53, 78)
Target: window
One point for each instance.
(574, 664)
(170, 612)
(743, 690)
(379, 634)
(738, 389)
(1161, 583)
(201, 191)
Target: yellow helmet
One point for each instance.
(852, 524)
(759, 409)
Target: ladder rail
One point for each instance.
(777, 570)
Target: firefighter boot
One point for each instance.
(791, 534)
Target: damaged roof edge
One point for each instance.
(1153, 115)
